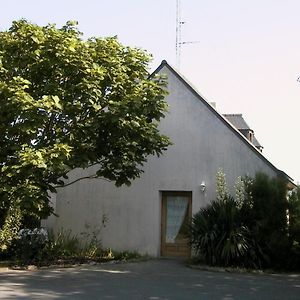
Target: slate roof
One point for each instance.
(239, 122)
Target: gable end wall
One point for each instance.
(202, 143)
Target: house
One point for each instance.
(148, 215)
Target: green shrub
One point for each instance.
(220, 238)
(294, 215)
(63, 245)
(252, 230)
(266, 218)
(293, 262)
(28, 245)
(38, 247)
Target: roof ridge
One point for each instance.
(232, 114)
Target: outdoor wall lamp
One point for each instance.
(203, 186)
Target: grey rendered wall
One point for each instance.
(201, 145)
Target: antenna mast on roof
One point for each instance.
(179, 42)
(179, 24)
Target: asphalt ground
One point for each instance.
(152, 279)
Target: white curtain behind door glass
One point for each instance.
(176, 211)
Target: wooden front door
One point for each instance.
(175, 218)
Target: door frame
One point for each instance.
(163, 218)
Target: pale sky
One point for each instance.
(247, 59)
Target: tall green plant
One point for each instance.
(294, 229)
(219, 236)
(221, 185)
(267, 219)
(240, 191)
(252, 229)
(218, 233)
(294, 215)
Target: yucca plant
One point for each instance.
(220, 238)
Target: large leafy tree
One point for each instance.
(66, 103)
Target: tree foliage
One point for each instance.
(68, 103)
(294, 216)
(267, 217)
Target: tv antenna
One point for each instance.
(179, 41)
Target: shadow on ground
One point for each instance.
(153, 279)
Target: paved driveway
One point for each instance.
(154, 279)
